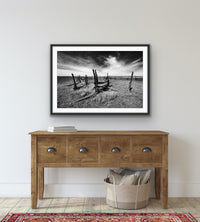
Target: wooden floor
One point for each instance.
(92, 205)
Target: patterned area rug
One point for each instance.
(99, 217)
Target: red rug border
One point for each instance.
(103, 214)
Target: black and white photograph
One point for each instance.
(99, 79)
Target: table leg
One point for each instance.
(164, 173)
(41, 182)
(34, 173)
(164, 188)
(157, 182)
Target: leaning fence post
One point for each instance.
(75, 86)
(96, 76)
(130, 83)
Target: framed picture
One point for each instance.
(100, 79)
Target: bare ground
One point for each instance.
(117, 96)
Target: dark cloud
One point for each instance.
(97, 58)
(112, 62)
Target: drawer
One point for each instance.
(55, 144)
(147, 149)
(83, 149)
(115, 149)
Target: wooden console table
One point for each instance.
(99, 149)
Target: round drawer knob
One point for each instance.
(83, 150)
(146, 149)
(51, 149)
(115, 149)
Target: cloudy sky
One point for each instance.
(116, 63)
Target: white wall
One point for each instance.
(27, 28)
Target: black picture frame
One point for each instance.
(70, 94)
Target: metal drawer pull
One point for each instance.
(115, 149)
(83, 150)
(146, 149)
(51, 149)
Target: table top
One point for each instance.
(103, 132)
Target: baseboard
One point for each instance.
(184, 190)
(90, 190)
(74, 190)
(15, 190)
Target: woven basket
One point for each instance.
(127, 196)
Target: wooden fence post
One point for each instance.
(95, 81)
(86, 80)
(130, 83)
(75, 86)
(96, 76)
